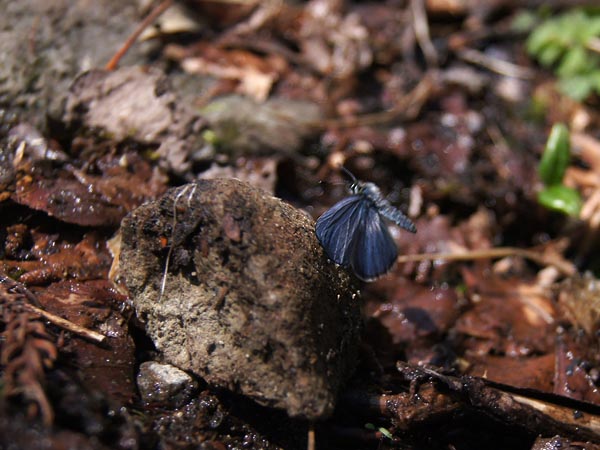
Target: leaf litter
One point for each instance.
(486, 329)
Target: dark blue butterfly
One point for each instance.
(354, 234)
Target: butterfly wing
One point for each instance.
(373, 251)
(338, 228)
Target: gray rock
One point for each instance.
(164, 384)
(139, 104)
(245, 127)
(44, 44)
(251, 303)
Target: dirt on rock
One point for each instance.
(250, 301)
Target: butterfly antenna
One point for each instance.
(350, 174)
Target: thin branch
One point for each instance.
(421, 29)
(311, 437)
(161, 8)
(66, 324)
(495, 65)
(501, 252)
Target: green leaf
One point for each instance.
(575, 62)
(386, 433)
(595, 80)
(594, 27)
(556, 155)
(578, 88)
(562, 199)
(542, 36)
(550, 54)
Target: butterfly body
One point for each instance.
(354, 234)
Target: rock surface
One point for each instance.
(139, 104)
(44, 44)
(250, 301)
(276, 126)
(164, 384)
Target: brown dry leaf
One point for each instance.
(75, 196)
(436, 235)
(68, 200)
(96, 305)
(412, 320)
(509, 316)
(254, 75)
(535, 372)
(577, 366)
(136, 104)
(56, 259)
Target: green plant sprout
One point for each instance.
(384, 431)
(570, 43)
(553, 165)
(556, 156)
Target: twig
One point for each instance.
(433, 395)
(13, 286)
(66, 324)
(161, 8)
(311, 437)
(495, 65)
(523, 407)
(421, 29)
(501, 252)
(408, 107)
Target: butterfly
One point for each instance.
(353, 232)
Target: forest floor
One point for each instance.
(484, 334)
